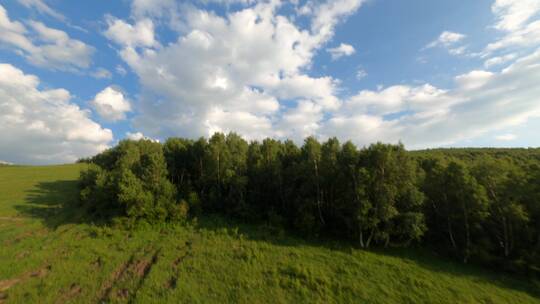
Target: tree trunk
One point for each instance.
(318, 192)
(467, 234)
(505, 235)
(361, 236)
(370, 237)
(451, 233)
(219, 176)
(510, 237)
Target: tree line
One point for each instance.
(475, 205)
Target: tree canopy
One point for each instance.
(477, 204)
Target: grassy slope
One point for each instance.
(50, 254)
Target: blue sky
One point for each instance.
(77, 76)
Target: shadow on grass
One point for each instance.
(420, 257)
(55, 204)
(481, 274)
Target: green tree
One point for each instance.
(133, 183)
(392, 202)
(309, 201)
(463, 202)
(502, 181)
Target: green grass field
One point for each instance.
(51, 253)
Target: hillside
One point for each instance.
(51, 253)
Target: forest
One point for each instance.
(475, 205)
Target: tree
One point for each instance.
(464, 204)
(479, 204)
(502, 181)
(133, 183)
(352, 207)
(329, 177)
(292, 180)
(309, 202)
(392, 202)
(216, 157)
(178, 158)
(234, 174)
(265, 181)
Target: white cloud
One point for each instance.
(361, 74)
(134, 136)
(121, 70)
(342, 50)
(457, 51)
(44, 46)
(141, 34)
(156, 8)
(521, 38)
(499, 60)
(480, 102)
(327, 14)
(43, 8)
(392, 99)
(446, 39)
(248, 72)
(138, 136)
(512, 15)
(101, 73)
(111, 104)
(516, 19)
(43, 126)
(362, 129)
(474, 79)
(301, 121)
(505, 137)
(244, 71)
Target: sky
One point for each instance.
(78, 76)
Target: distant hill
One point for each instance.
(518, 155)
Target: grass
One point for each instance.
(51, 253)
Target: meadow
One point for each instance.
(52, 252)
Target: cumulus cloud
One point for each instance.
(392, 99)
(301, 121)
(138, 136)
(246, 71)
(326, 15)
(134, 136)
(480, 102)
(44, 46)
(43, 126)
(140, 34)
(341, 50)
(111, 104)
(474, 79)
